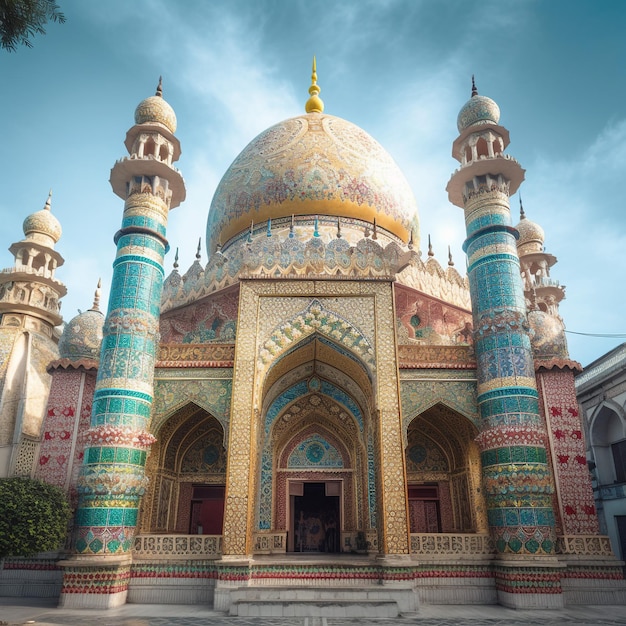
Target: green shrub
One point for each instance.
(33, 517)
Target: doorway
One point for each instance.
(315, 517)
(424, 511)
(207, 510)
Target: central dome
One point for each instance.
(313, 164)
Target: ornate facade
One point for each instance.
(320, 405)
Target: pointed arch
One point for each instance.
(189, 455)
(315, 318)
(443, 472)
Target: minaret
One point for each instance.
(112, 478)
(516, 475)
(541, 291)
(30, 287)
(30, 307)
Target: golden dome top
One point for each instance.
(312, 164)
(156, 109)
(314, 104)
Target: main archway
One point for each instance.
(317, 482)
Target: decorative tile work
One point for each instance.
(421, 390)
(559, 407)
(107, 580)
(341, 171)
(518, 491)
(195, 355)
(211, 319)
(309, 415)
(316, 319)
(209, 389)
(430, 321)
(112, 478)
(528, 580)
(314, 452)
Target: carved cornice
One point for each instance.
(436, 357)
(558, 363)
(196, 355)
(66, 364)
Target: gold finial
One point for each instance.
(314, 104)
(96, 297)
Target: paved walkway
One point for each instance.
(43, 612)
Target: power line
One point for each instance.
(606, 335)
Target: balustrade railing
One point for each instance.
(270, 542)
(173, 547)
(443, 544)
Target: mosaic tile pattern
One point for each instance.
(341, 171)
(68, 414)
(516, 476)
(112, 480)
(575, 504)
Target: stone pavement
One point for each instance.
(43, 612)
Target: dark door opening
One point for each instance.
(316, 520)
(424, 509)
(207, 510)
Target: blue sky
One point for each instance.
(400, 69)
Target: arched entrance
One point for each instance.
(315, 481)
(443, 474)
(187, 468)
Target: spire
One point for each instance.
(338, 228)
(522, 215)
(269, 227)
(198, 255)
(411, 244)
(176, 260)
(292, 234)
(159, 89)
(48, 204)
(430, 248)
(474, 90)
(251, 231)
(316, 232)
(450, 261)
(314, 104)
(375, 230)
(96, 297)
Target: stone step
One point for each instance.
(292, 593)
(355, 608)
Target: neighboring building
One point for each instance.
(318, 387)
(601, 390)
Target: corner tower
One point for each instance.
(112, 481)
(516, 476)
(30, 309)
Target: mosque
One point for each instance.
(321, 418)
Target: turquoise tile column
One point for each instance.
(112, 479)
(516, 476)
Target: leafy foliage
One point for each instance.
(33, 517)
(22, 19)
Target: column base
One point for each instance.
(94, 582)
(522, 585)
